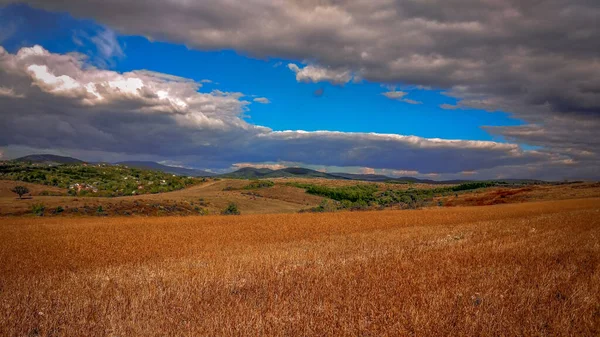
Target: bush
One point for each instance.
(327, 206)
(59, 210)
(38, 209)
(231, 209)
(100, 210)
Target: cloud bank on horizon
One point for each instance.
(537, 60)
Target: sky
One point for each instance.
(505, 89)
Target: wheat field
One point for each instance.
(504, 270)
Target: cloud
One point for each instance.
(315, 74)
(8, 28)
(367, 170)
(259, 166)
(73, 107)
(9, 92)
(395, 94)
(106, 45)
(262, 100)
(403, 173)
(538, 61)
(399, 96)
(447, 106)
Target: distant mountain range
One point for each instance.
(250, 172)
(298, 172)
(180, 171)
(50, 159)
(256, 173)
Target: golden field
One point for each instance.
(516, 269)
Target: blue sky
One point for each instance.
(353, 107)
(426, 89)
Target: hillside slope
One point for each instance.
(289, 172)
(48, 159)
(181, 171)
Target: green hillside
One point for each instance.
(95, 180)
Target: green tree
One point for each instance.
(20, 190)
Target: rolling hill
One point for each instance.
(248, 173)
(180, 171)
(48, 159)
(257, 173)
(299, 172)
(365, 177)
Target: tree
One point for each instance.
(20, 190)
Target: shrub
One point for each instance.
(59, 210)
(231, 209)
(360, 205)
(20, 190)
(327, 206)
(100, 210)
(259, 184)
(38, 209)
(201, 211)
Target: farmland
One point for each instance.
(308, 256)
(515, 269)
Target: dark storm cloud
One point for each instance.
(536, 59)
(58, 101)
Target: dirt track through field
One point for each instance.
(518, 269)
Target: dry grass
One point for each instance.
(519, 269)
(182, 202)
(214, 196)
(34, 189)
(507, 195)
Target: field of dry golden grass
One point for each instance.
(504, 270)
